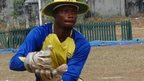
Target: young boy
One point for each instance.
(55, 50)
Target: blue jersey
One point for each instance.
(34, 42)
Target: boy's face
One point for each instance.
(65, 16)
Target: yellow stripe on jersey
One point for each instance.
(61, 50)
(22, 59)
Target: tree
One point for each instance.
(18, 7)
(2, 4)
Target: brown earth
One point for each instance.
(138, 27)
(105, 63)
(115, 63)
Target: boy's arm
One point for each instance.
(29, 45)
(76, 63)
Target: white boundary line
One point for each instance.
(113, 77)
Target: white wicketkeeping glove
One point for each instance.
(52, 75)
(38, 60)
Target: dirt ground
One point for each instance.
(115, 63)
(137, 27)
(106, 63)
(8, 75)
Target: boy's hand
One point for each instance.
(38, 60)
(52, 75)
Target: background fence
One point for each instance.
(13, 38)
(92, 31)
(106, 30)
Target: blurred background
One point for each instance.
(25, 13)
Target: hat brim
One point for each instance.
(48, 10)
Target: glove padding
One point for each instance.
(52, 75)
(38, 60)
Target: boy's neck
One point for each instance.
(62, 32)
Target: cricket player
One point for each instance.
(55, 51)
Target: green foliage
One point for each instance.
(2, 4)
(18, 7)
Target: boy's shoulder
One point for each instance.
(43, 28)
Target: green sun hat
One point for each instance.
(50, 7)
